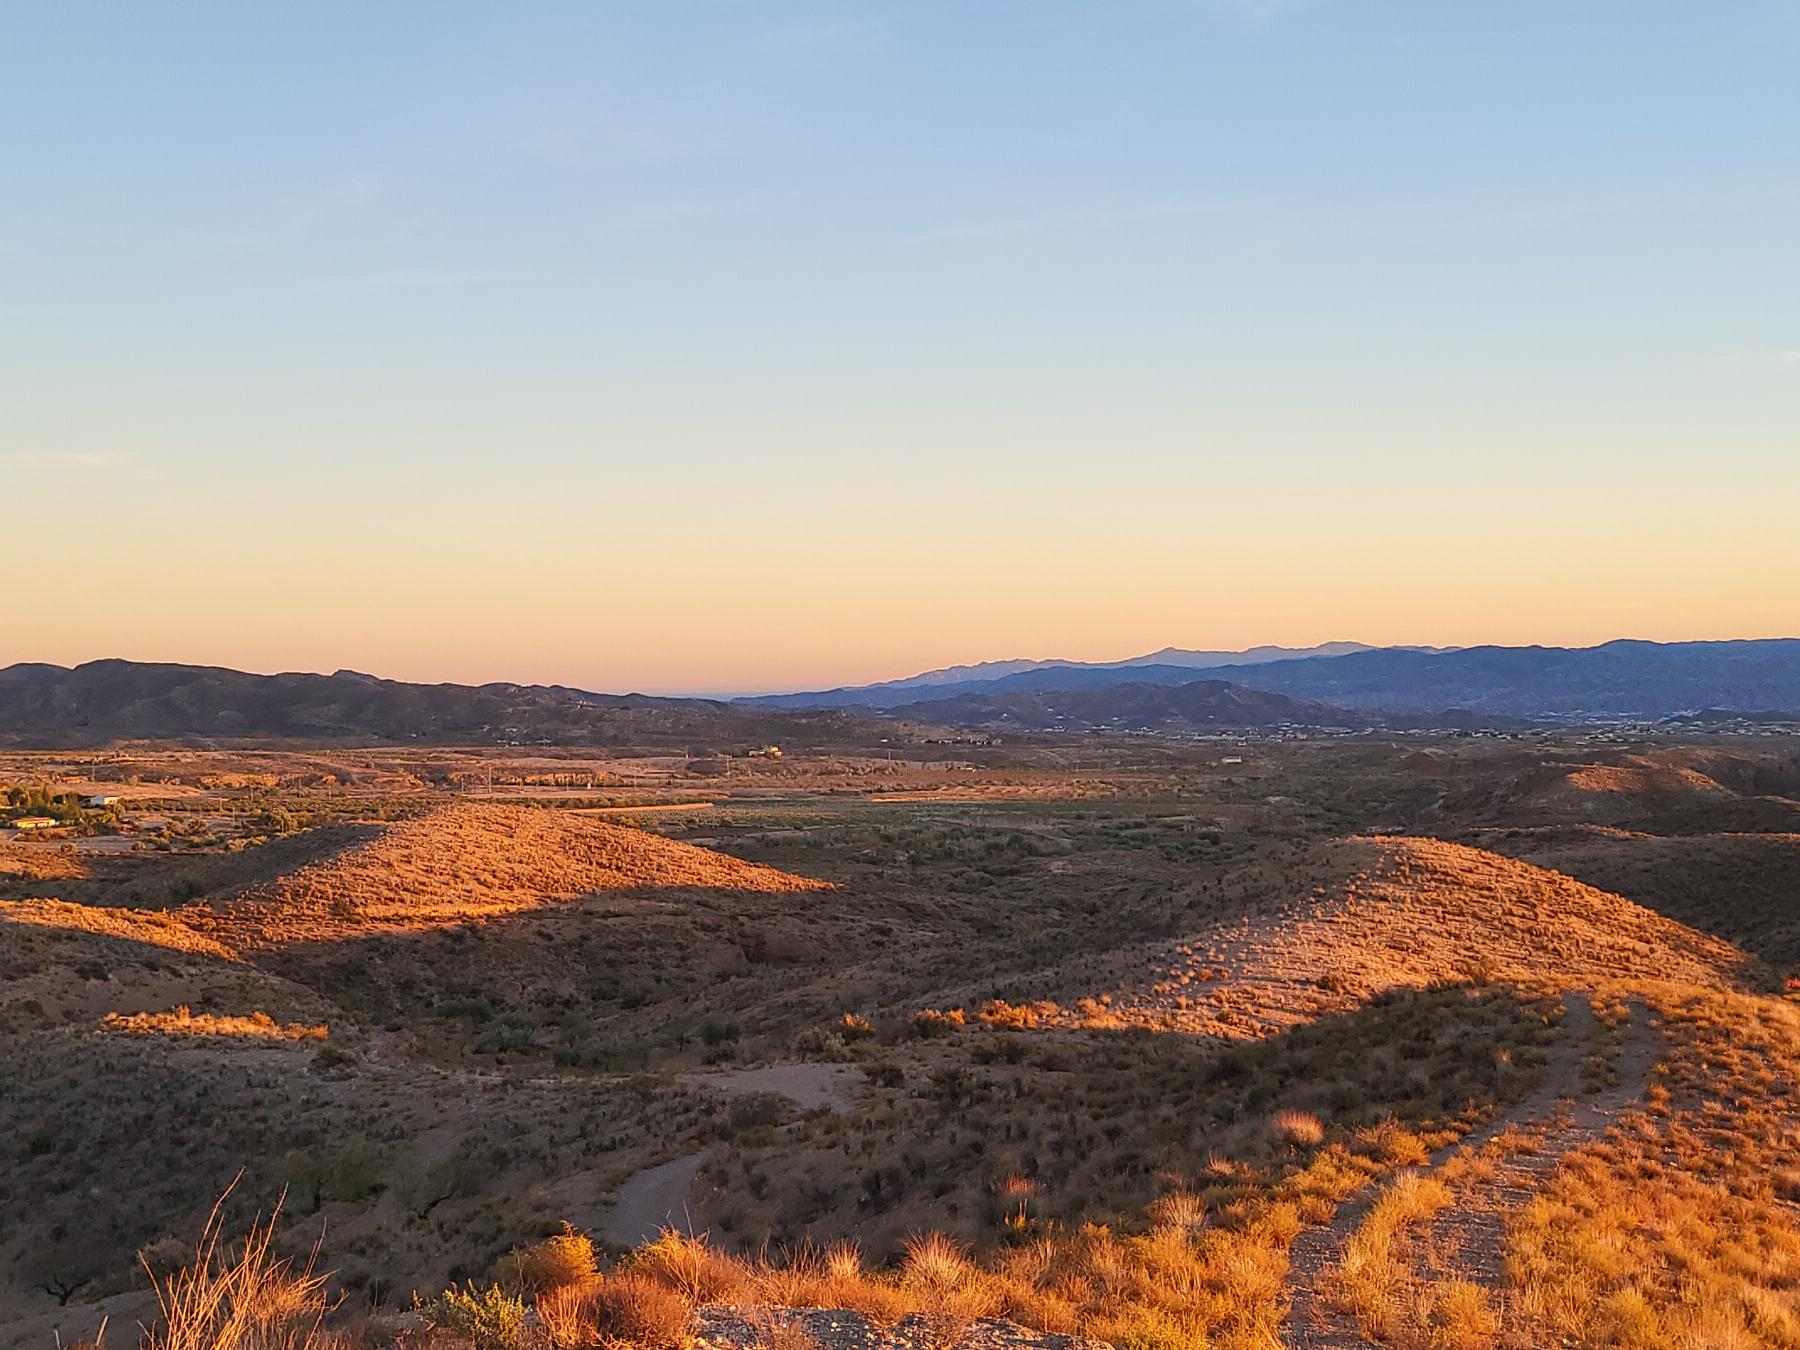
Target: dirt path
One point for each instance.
(1477, 1231)
(1472, 1234)
(810, 1087)
(654, 1199)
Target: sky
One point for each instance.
(724, 347)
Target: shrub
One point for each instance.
(490, 1319)
(715, 1034)
(855, 1028)
(928, 1023)
(884, 1073)
(565, 1258)
(999, 1013)
(163, 1258)
(691, 1268)
(630, 1308)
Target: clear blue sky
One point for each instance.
(719, 346)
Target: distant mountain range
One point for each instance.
(102, 701)
(1340, 686)
(1624, 680)
(1031, 674)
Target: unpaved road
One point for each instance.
(657, 1197)
(1477, 1229)
(651, 1201)
(811, 1087)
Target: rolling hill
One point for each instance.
(1195, 706)
(102, 701)
(1357, 916)
(469, 862)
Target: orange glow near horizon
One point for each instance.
(686, 629)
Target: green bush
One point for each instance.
(490, 1319)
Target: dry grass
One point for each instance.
(466, 862)
(628, 1308)
(242, 1298)
(183, 1021)
(1297, 1129)
(1675, 1233)
(556, 1262)
(1355, 916)
(1375, 1276)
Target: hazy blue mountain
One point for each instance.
(1623, 679)
(1618, 680)
(1169, 666)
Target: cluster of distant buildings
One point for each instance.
(32, 824)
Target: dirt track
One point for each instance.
(1475, 1227)
(654, 1199)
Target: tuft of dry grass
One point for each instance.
(1297, 1129)
(244, 1298)
(698, 1272)
(627, 1308)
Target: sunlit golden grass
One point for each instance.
(1365, 914)
(466, 861)
(1641, 773)
(1677, 1232)
(152, 928)
(184, 1022)
(241, 1297)
(1374, 1272)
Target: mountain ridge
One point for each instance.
(112, 699)
(1623, 680)
(891, 692)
